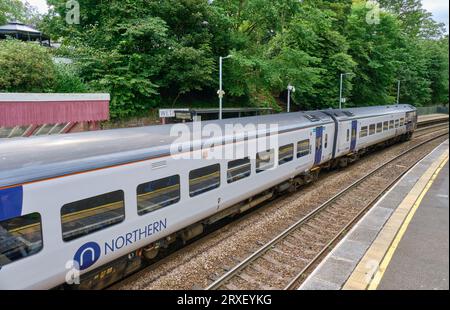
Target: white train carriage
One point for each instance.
(98, 204)
(359, 129)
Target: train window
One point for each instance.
(348, 135)
(20, 237)
(158, 194)
(379, 127)
(326, 140)
(372, 129)
(303, 148)
(385, 126)
(285, 154)
(264, 160)
(204, 179)
(238, 169)
(391, 124)
(83, 217)
(363, 132)
(397, 122)
(402, 122)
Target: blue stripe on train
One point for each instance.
(11, 203)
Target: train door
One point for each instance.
(354, 134)
(319, 147)
(410, 121)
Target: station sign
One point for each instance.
(166, 113)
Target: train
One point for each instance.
(84, 210)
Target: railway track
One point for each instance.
(186, 268)
(284, 261)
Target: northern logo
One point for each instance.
(87, 255)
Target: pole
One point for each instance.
(289, 100)
(398, 92)
(220, 87)
(340, 92)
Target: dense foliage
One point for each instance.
(12, 10)
(28, 67)
(151, 53)
(25, 67)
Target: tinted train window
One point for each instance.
(303, 148)
(379, 127)
(158, 194)
(285, 154)
(204, 179)
(363, 132)
(391, 124)
(238, 170)
(372, 129)
(386, 126)
(397, 122)
(326, 140)
(20, 237)
(83, 217)
(402, 122)
(264, 161)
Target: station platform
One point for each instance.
(432, 118)
(402, 242)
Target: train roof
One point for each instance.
(24, 160)
(356, 113)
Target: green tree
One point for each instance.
(416, 21)
(67, 80)
(142, 51)
(300, 45)
(373, 47)
(438, 69)
(150, 53)
(11, 10)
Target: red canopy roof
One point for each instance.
(37, 109)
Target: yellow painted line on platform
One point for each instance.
(387, 259)
(370, 270)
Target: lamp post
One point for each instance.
(341, 89)
(221, 93)
(290, 89)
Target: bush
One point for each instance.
(28, 67)
(68, 80)
(25, 67)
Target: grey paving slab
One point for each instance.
(366, 235)
(350, 250)
(377, 218)
(335, 271)
(320, 285)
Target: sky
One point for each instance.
(439, 8)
